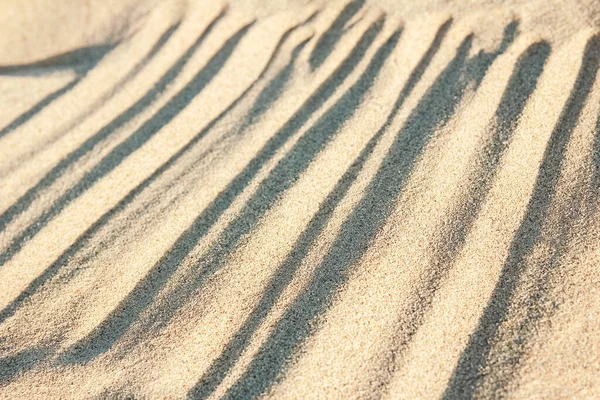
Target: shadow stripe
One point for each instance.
(468, 376)
(115, 325)
(221, 366)
(433, 110)
(90, 144)
(327, 42)
(46, 101)
(461, 218)
(132, 143)
(183, 182)
(64, 258)
(108, 94)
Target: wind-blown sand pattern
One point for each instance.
(323, 199)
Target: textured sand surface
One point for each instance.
(300, 199)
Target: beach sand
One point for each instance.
(300, 199)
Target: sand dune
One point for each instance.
(300, 199)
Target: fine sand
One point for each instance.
(300, 199)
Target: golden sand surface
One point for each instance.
(300, 199)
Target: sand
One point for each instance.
(300, 199)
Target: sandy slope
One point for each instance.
(299, 199)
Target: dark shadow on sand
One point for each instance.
(162, 117)
(488, 363)
(143, 295)
(90, 144)
(81, 61)
(333, 34)
(285, 272)
(462, 216)
(434, 110)
(104, 220)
